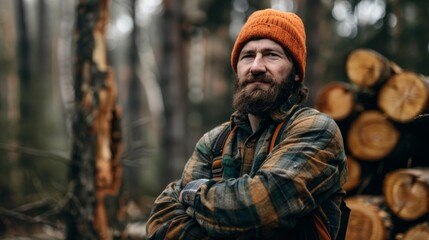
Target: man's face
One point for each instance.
(264, 78)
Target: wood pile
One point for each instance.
(383, 113)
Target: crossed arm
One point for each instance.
(305, 169)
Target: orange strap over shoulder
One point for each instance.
(275, 134)
(230, 135)
(321, 229)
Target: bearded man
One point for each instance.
(282, 166)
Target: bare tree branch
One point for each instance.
(43, 154)
(60, 204)
(33, 205)
(26, 218)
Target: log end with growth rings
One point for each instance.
(368, 220)
(366, 67)
(337, 100)
(372, 136)
(404, 96)
(353, 174)
(418, 232)
(407, 193)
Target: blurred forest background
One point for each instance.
(171, 64)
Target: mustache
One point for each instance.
(258, 78)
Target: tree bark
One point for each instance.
(25, 106)
(135, 109)
(174, 92)
(96, 171)
(312, 12)
(9, 99)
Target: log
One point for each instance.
(336, 99)
(364, 177)
(407, 192)
(353, 174)
(367, 68)
(404, 96)
(372, 136)
(368, 220)
(418, 232)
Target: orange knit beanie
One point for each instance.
(285, 28)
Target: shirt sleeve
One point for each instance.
(302, 171)
(171, 219)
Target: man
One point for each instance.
(292, 191)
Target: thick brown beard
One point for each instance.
(261, 102)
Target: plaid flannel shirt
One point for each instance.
(261, 193)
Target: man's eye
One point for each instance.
(246, 56)
(272, 54)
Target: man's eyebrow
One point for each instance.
(267, 49)
(276, 49)
(247, 51)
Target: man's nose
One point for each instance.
(258, 65)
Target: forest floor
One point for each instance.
(15, 229)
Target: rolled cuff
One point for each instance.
(189, 191)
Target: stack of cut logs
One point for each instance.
(383, 113)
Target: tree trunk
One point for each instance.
(134, 110)
(174, 92)
(9, 108)
(312, 12)
(25, 106)
(96, 172)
